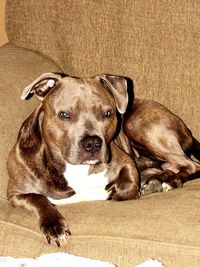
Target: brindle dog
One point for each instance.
(82, 143)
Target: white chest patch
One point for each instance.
(87, 187)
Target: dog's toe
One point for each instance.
(166, 187)
(172, 184)
(55, 228)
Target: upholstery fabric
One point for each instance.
(154, 42)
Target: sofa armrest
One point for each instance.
(18, 68)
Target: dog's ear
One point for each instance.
(117, 85)
(41, 86)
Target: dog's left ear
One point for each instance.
(117, 85)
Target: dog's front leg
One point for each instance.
(51, 222)
(127, 184)
(125, 177)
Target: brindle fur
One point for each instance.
(137, 129)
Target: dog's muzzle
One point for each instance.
(91, 144)
(90, 149)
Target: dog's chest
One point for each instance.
(88, 187)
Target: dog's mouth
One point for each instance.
(91, 162)
(89, 159)
(80, 157)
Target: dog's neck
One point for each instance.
(77, 170)
(80, 178)
(87, 184)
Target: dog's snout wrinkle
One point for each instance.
(91, 144)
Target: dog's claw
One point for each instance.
(54, 228)
(67, 232)
(57, 243)
(57, 237)
(48, 239)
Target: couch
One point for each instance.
(156, 43)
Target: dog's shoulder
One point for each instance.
(29, 137)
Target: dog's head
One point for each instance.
(78, 118)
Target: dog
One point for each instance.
(90, 139)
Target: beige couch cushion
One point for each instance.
(157, 44)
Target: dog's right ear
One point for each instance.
(41, 86)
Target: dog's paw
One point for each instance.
(172, 184)
(121, 195)
(151, 187)
(54, 227)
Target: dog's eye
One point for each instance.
(106, 114)
(64, 115)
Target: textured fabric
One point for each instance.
(157, 43)
(164, 226)
(18, 67)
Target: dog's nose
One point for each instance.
(91, 144)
